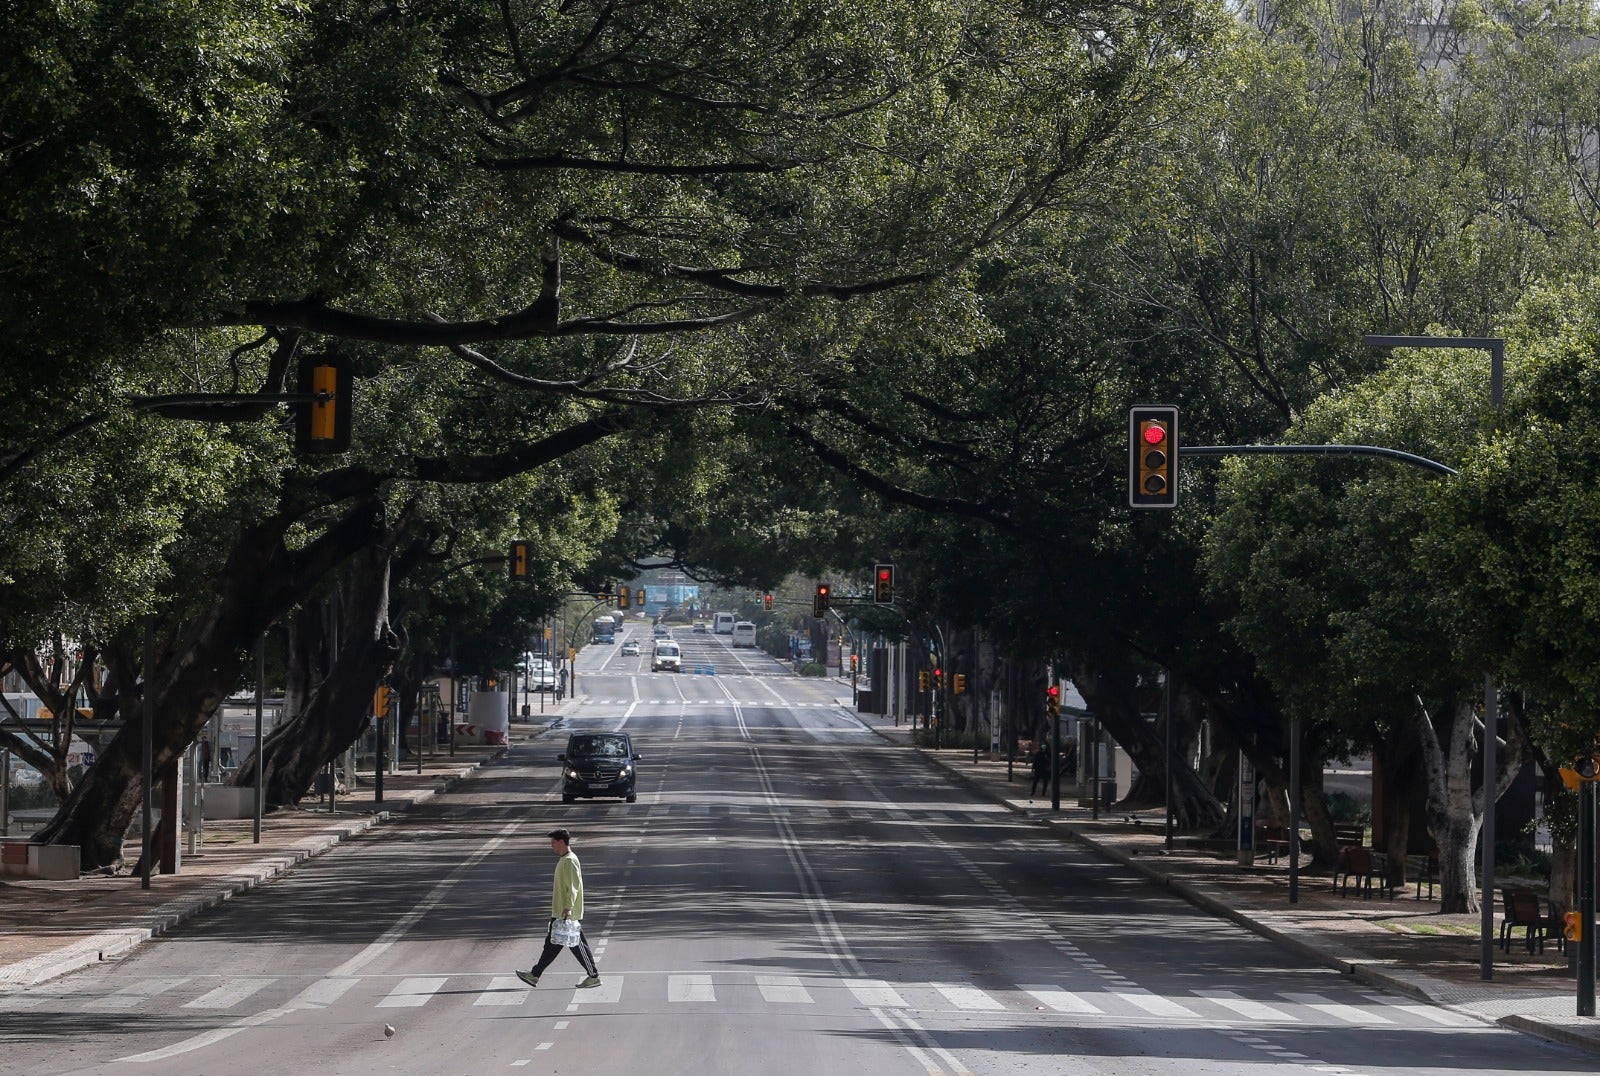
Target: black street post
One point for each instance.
(377, 766)
(1586, 882)
(147, 712)
(261, 687)
(1294, 810)
(1166, 720)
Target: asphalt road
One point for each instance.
(789, 895)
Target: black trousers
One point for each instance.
(552, 950)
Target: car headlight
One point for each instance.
(572, 774)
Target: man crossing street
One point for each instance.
(566, 905)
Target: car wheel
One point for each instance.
(566, 798)
(633, 797)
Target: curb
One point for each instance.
(112, 944)
(1422, 987)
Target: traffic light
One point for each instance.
(1585, 769)
(1052, 701)
(604, 593)
(922, 681)
(855, 662)
(622, 597)
(381, 700)
(638, 597)
(819, 604)
(1153, 457)
(958, 683)
(322, 423)
(938, 679)
(883, 584)
(519, 562)
(767, 602)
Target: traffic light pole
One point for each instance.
(1166, 720)
(1586, 881)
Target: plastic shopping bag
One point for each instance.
(565, 932)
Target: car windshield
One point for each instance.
(598, 746)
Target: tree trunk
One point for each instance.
(1399, 768)
(336, 710)
(196, 672)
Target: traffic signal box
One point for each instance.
(519, 563)
(766, 602)
(1153, 456)
(1052, 701)
(819, 603)
(922, 681)
(958, 684)
(883, 584)
(381, 700)
(638, 597)
(623, 597)
(322, 423)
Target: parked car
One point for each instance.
(630, 649)
(598, 764)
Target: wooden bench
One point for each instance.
(1425, 869)
(1346, 835)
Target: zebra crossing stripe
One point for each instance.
(130, 996)
(690, 988)
(229, 994)
(1061, 1000)
(1250, 1010)
(503, 990)
(783, 990)
(1154, 1004)
(1348, 1013)
(969, 998)
(413, 993)
(876, 994)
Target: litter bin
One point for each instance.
(1108, 792)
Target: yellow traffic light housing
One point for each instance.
(958, 683)
(323, 422)
(623, 598)
(381, 700)
(1153, 456)
(922, 681)
(519, 563)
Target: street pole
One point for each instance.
(1496, 347)
(147, 711)
(1294, 810)
(1491, 770)
(1055, 753)
(377, 765)
(1094, 772)
(1166, 718)
(261, 687)
(1586, 882)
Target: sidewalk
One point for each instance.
(1402, 945)
(48, 929)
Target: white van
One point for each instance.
(744, 634)
(666, 657)
(722, 624)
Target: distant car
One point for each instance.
(598, 764)
(700, 629)
(630, 649)
(660, 633)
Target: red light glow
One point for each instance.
(1155, 433)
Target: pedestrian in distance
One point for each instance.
(1041, 770)
(566, 904)
(561, 685)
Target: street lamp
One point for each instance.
(1496, 347)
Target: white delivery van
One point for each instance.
(666, 657)
(722, 624)
(744, 633)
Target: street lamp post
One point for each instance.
(1496, 347)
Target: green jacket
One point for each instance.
(567, 891)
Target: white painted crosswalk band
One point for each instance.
(783, 990)
(412, 993)
(1350, 1014)
(1154, 1004)
(1060, 1000)
(503, 990)
(228, 995)
(690, 988)
(969, 998)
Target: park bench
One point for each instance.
(1272, 841)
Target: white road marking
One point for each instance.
(228, 994)
(1154, 1004)
(1436, 1016)
(1348, 1013)
(609, 992)
(1060, 1000)
(412, 993)
(783, 989)
(130, 996)
(324, 992)
(875, 993)
(967, 997)
(504, 990)
(690, 988)
(1250, 1010)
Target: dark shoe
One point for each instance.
(528, 977)
(593, 980)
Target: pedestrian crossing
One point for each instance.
(767, 703)
(893, 814)
(1208, 1007)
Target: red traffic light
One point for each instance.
(1053, 691)
(883, 575)
(822, 589)
(1155, 433)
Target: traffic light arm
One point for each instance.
(1318, 450)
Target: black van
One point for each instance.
(598, 764)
